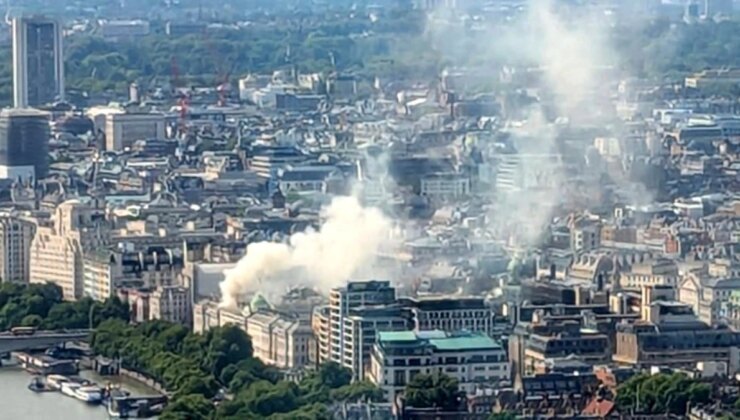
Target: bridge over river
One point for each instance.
(10, 342)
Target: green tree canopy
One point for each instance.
(358, 391)
(41, 305)
(190, 407)
(662, 393)
(433, 391)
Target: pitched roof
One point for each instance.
(599, 407)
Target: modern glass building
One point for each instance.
(24, 144)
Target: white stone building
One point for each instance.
(475, 360)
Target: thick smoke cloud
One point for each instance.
(345, 244)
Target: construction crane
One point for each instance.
(183, 100)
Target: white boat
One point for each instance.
(55, 381)
(70, 389)
(91, 394)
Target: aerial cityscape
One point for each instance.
(370, 209)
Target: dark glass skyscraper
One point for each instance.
(24, 144)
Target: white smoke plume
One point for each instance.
(524, 216)
(569, 48)
(572, 49)
(345, 244)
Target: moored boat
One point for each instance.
(91, 394)
(70, 388)
(55, 382)
(37, 385)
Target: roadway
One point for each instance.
(39, 339)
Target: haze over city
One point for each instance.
(354, 209)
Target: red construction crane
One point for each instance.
(183, 101)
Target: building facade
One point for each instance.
(445, 185)
(660, 272)
(361, 328)
(172, 304)
(122, 129)
(133, 267)
(452, 314)
(706, 294)
(38, 61)
(676, 338)
(341, 300)
(280, 340)
(16, 235)
(475, 360)
(24, 144)
(57, 248)
(98, 275)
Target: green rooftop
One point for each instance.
(397, 336)
(440, 340)
(467, 342)
(259, 302)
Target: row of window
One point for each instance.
(491, 358)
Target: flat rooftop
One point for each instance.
(440, 340)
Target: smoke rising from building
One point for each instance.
(571, 53)
(562, 55)
(345, 244)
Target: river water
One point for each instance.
(19, 403)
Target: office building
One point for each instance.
(138, 303)
(98, 278)
(342, 86)
(24, 144)
(713, 78)
(266, 161)
(657, 272)
(452, 314)
(123, 129)
(16, 235)
(675, 337)
(132, 267)
(38, 61)
(59, 244)
(706, 294)
(280, 340)
(516, 172)
(445, 185)
(347, 328)
(361, 328)
(320, 328)
(731, 310)
(669, 333)
(475, 360)
(172, 304)
(208, 314)
(533, 345)
(341, 301)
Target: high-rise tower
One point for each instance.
(38, 61)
